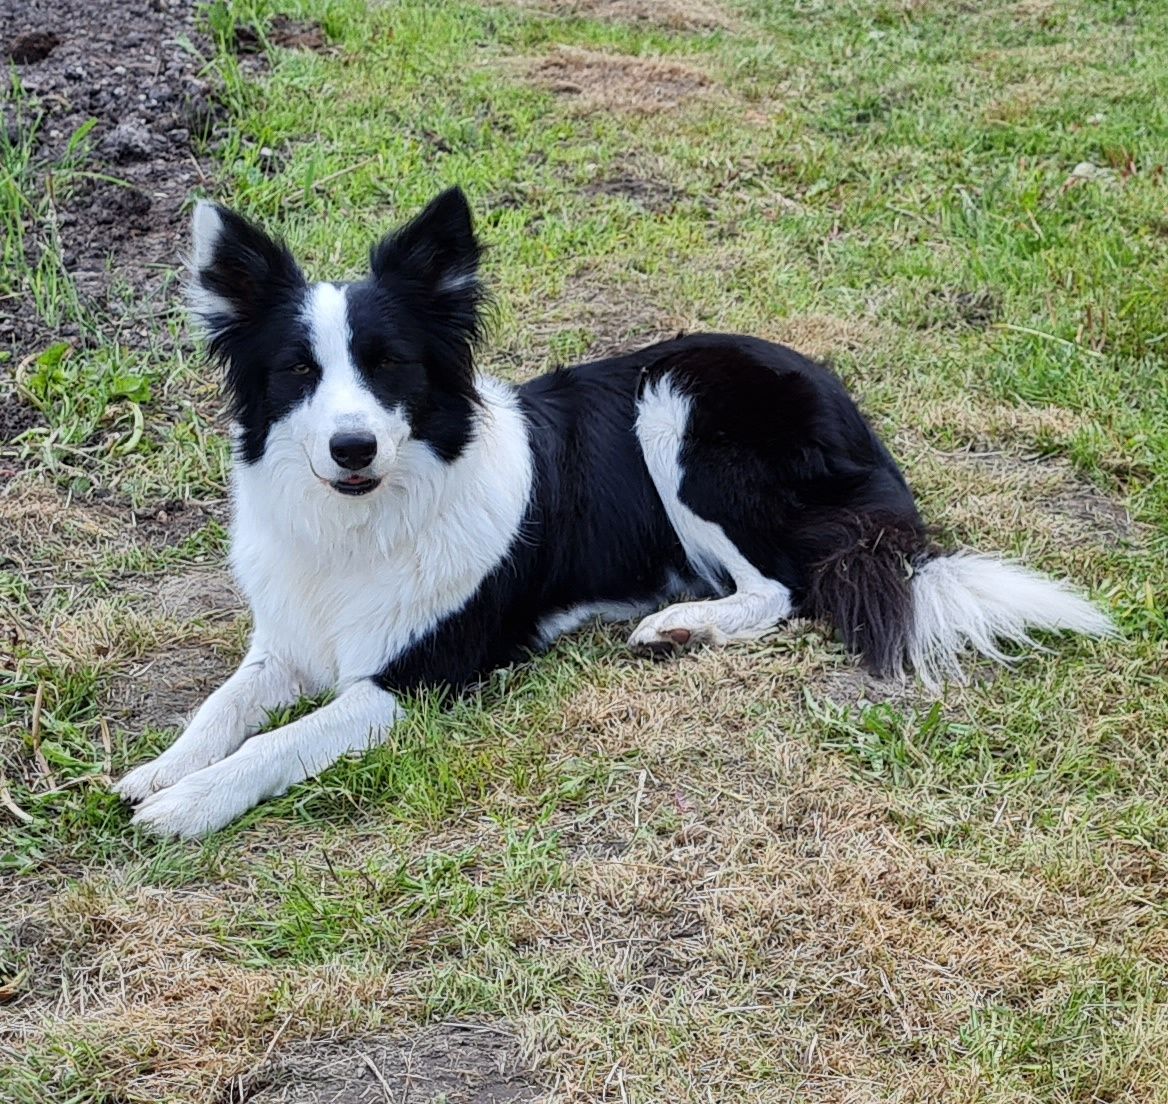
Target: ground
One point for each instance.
(753, 874)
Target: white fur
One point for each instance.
(268, 764)
(968, 600)
(231, 714)
(338, 586)
(206, 226)
(758, 603)
(557, 624)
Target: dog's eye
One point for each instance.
(302, 369)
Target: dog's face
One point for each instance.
(330, 381)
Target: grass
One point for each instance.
(751, 874)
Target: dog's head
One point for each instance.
(332, 380)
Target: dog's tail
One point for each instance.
(902, 603)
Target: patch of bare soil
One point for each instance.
(444, 1064)
(164, 642)
(614, 82)
(650, 195)
(672, 15)
(281, 30)
(616, 318)
(46, 530)
(125, 65)
(165, 689)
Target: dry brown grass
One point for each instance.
(825, 337)
(595, 81)
(673, 15)
(160, 642)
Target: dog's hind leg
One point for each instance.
(758, 603)
(232, 713)
(359, 718)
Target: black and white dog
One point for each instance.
(401, 521)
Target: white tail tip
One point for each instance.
(971, 601)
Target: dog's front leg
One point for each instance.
(358, 719)
(238, 708)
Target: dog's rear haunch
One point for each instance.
(402, 521)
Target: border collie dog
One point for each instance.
(401, 521)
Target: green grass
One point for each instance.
(738, 876)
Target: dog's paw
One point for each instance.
(197, 805)
(657, 638)
(151, 777)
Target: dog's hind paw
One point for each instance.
(660, 637)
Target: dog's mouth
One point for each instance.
(354, 484)
(351, 484)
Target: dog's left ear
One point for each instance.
(436, 252)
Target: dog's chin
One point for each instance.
(355, 485)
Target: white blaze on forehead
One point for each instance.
(327, 316)
(342, 391)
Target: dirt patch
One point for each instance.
(124, 65)
(615, 318)
(953, 307)
(43, 525)
(163, 691)
(1101, 518)
(171, 522)
(191, 647)
(30, 47)
(651, 195)
(849, 683)
(672, 15)
(994, 496)
(16, 416)
(281, 30)
(199, 595)
(162, 642)
(444, 1064)
(616, 82)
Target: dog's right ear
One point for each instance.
(237, 271)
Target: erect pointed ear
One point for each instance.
(436, 252)
(237, 270)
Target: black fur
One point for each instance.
(417, 318)
(776, 453)
(594, 531)
(260, 340)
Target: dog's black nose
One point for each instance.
(353, 450)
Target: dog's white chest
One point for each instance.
(342, 616)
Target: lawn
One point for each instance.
(753, 874)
